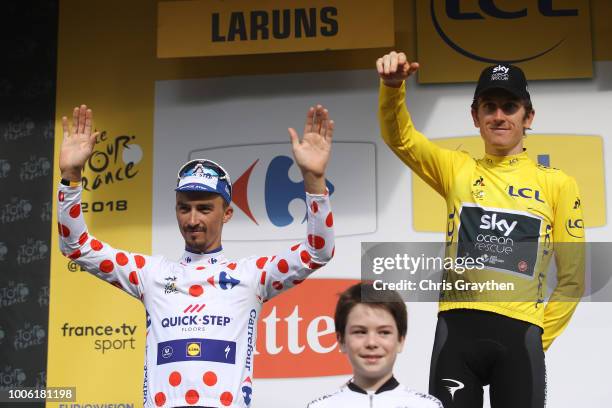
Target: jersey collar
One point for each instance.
(191, 256)
(507, 163)
(389, 385)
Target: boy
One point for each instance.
(371, 329)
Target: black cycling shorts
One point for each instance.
(473, 348)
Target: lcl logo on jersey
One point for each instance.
(458, 11)
(268, 190)
(525, 192)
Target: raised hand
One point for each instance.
(313, 151)
(394, 68)
(77, 144)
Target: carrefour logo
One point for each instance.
(496, 23)
(268, 190)
(279, 191)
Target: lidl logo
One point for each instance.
(194, 350)
(466, 34)
(268, 191)
(585, 165)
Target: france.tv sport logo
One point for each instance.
(268, 190)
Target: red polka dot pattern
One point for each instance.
(305, 257)
(191, 397)
(134, 278)
(298, 281)
(232, 266)
(60, 196)
(200, 268)
(63, 230)
(314, 265)
(121, 258)
(140, 261)
(226, 398)
(107, 266)
(196, 290)
(83, 238)
(329, 221)
(174, 379)
(209, 378)
(296, 246)
(283, 266)
(160, 399)
(333, 251)
(261, 262)
(75, 210)
(314, 207)
(262, 279)
(75, 255)
(277, 285)
(95, 245)
(316, 241)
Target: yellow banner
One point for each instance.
(558, 151)
(550, 39)
(235, 27)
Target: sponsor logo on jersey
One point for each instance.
(525, 193)
(170, 285)
(268, 189)
(575, 227)
(247, 390)
(505, 240)
(192, 322)
(194, 349)
(202, 349)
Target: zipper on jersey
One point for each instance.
(371, 400)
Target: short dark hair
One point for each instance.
(364, 293)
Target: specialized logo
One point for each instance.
(490, 10)
(452, 389)
(525, 192)
(268, 190)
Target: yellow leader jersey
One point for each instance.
(507, 211)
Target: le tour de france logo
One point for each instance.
(501, 22)
(114, 160)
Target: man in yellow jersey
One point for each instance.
(509, 212)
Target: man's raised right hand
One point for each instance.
(394, 68)
(77, 144)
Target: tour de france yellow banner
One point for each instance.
(558, 151)
(234, 27)
(457, 38)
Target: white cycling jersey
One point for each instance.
(390, 395)
(201, 311)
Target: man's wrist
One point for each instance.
(71, 175)
(314, 184)
(393, 84)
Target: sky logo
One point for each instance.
(268, 190)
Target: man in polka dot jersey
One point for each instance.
(201, 311)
